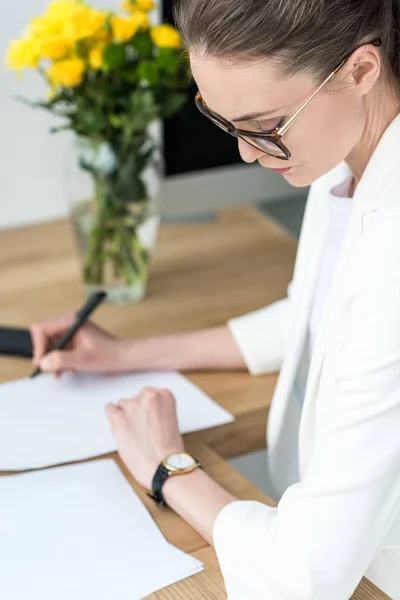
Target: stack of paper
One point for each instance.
(81, 533)
(46, 422)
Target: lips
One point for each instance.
(281, 171)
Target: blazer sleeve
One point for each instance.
(320, 540)
(262, 336)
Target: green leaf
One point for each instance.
(147, 71)
(60, 128)
(116, 121)
(90, 121)
(143, 110)
(169, 60)
(143, 44)
(114, 56)
(130, 76)
(33, 103)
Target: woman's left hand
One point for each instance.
(146, 431)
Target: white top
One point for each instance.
(340, 206)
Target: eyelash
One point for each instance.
(280, 123)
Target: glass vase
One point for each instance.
(115, 223)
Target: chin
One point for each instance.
(300, 178)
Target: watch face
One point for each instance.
(180, 461)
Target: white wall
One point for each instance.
(32, 162)
(33, 171)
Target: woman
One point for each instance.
(315, 87)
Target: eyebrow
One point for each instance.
(256, 115)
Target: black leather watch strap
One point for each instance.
(160, 476)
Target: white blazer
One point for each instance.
(338, 459)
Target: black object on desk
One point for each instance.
(15, 342)
(81, 318)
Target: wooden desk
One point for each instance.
(202, 274)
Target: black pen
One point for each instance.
(82, 316)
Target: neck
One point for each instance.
(382, 108)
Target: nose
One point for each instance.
(248, 152)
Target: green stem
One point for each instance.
(112, 241)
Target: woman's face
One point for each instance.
(323, 135)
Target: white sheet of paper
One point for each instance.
(45, 422)
(79, 533)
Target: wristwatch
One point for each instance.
(175, 464)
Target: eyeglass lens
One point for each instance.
(265, 145)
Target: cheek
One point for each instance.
(328, 137)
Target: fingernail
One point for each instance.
(45, 364)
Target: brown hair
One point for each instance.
(308, 35)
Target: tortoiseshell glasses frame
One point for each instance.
(270, 142)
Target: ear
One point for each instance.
(365, 66)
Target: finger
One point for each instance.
(168, 395)
(116, 418)
(147, 391)
(112, 409)
(128, 405)
(155, 397)
(111, 412)
(122, 403)
(43, 333)
(150, 392)
(61, 360)
(160, 392)
(39, 342)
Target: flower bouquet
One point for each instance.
(109, 76)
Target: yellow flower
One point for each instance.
(63, 9)
(103, 37)
(138, 5)
(84, 23)
(22, 55)
(53, 36)
(96, 57)
(68, 73)
(52, 48)
(124, 28)
(141, 19)
(69, 20)
(166, 36)
(145, 5)
(44, 27)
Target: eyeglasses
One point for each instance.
(270, 142)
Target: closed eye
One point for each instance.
(270, 127)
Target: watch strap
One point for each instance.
(160, 476)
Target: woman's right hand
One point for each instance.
(91, 349)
